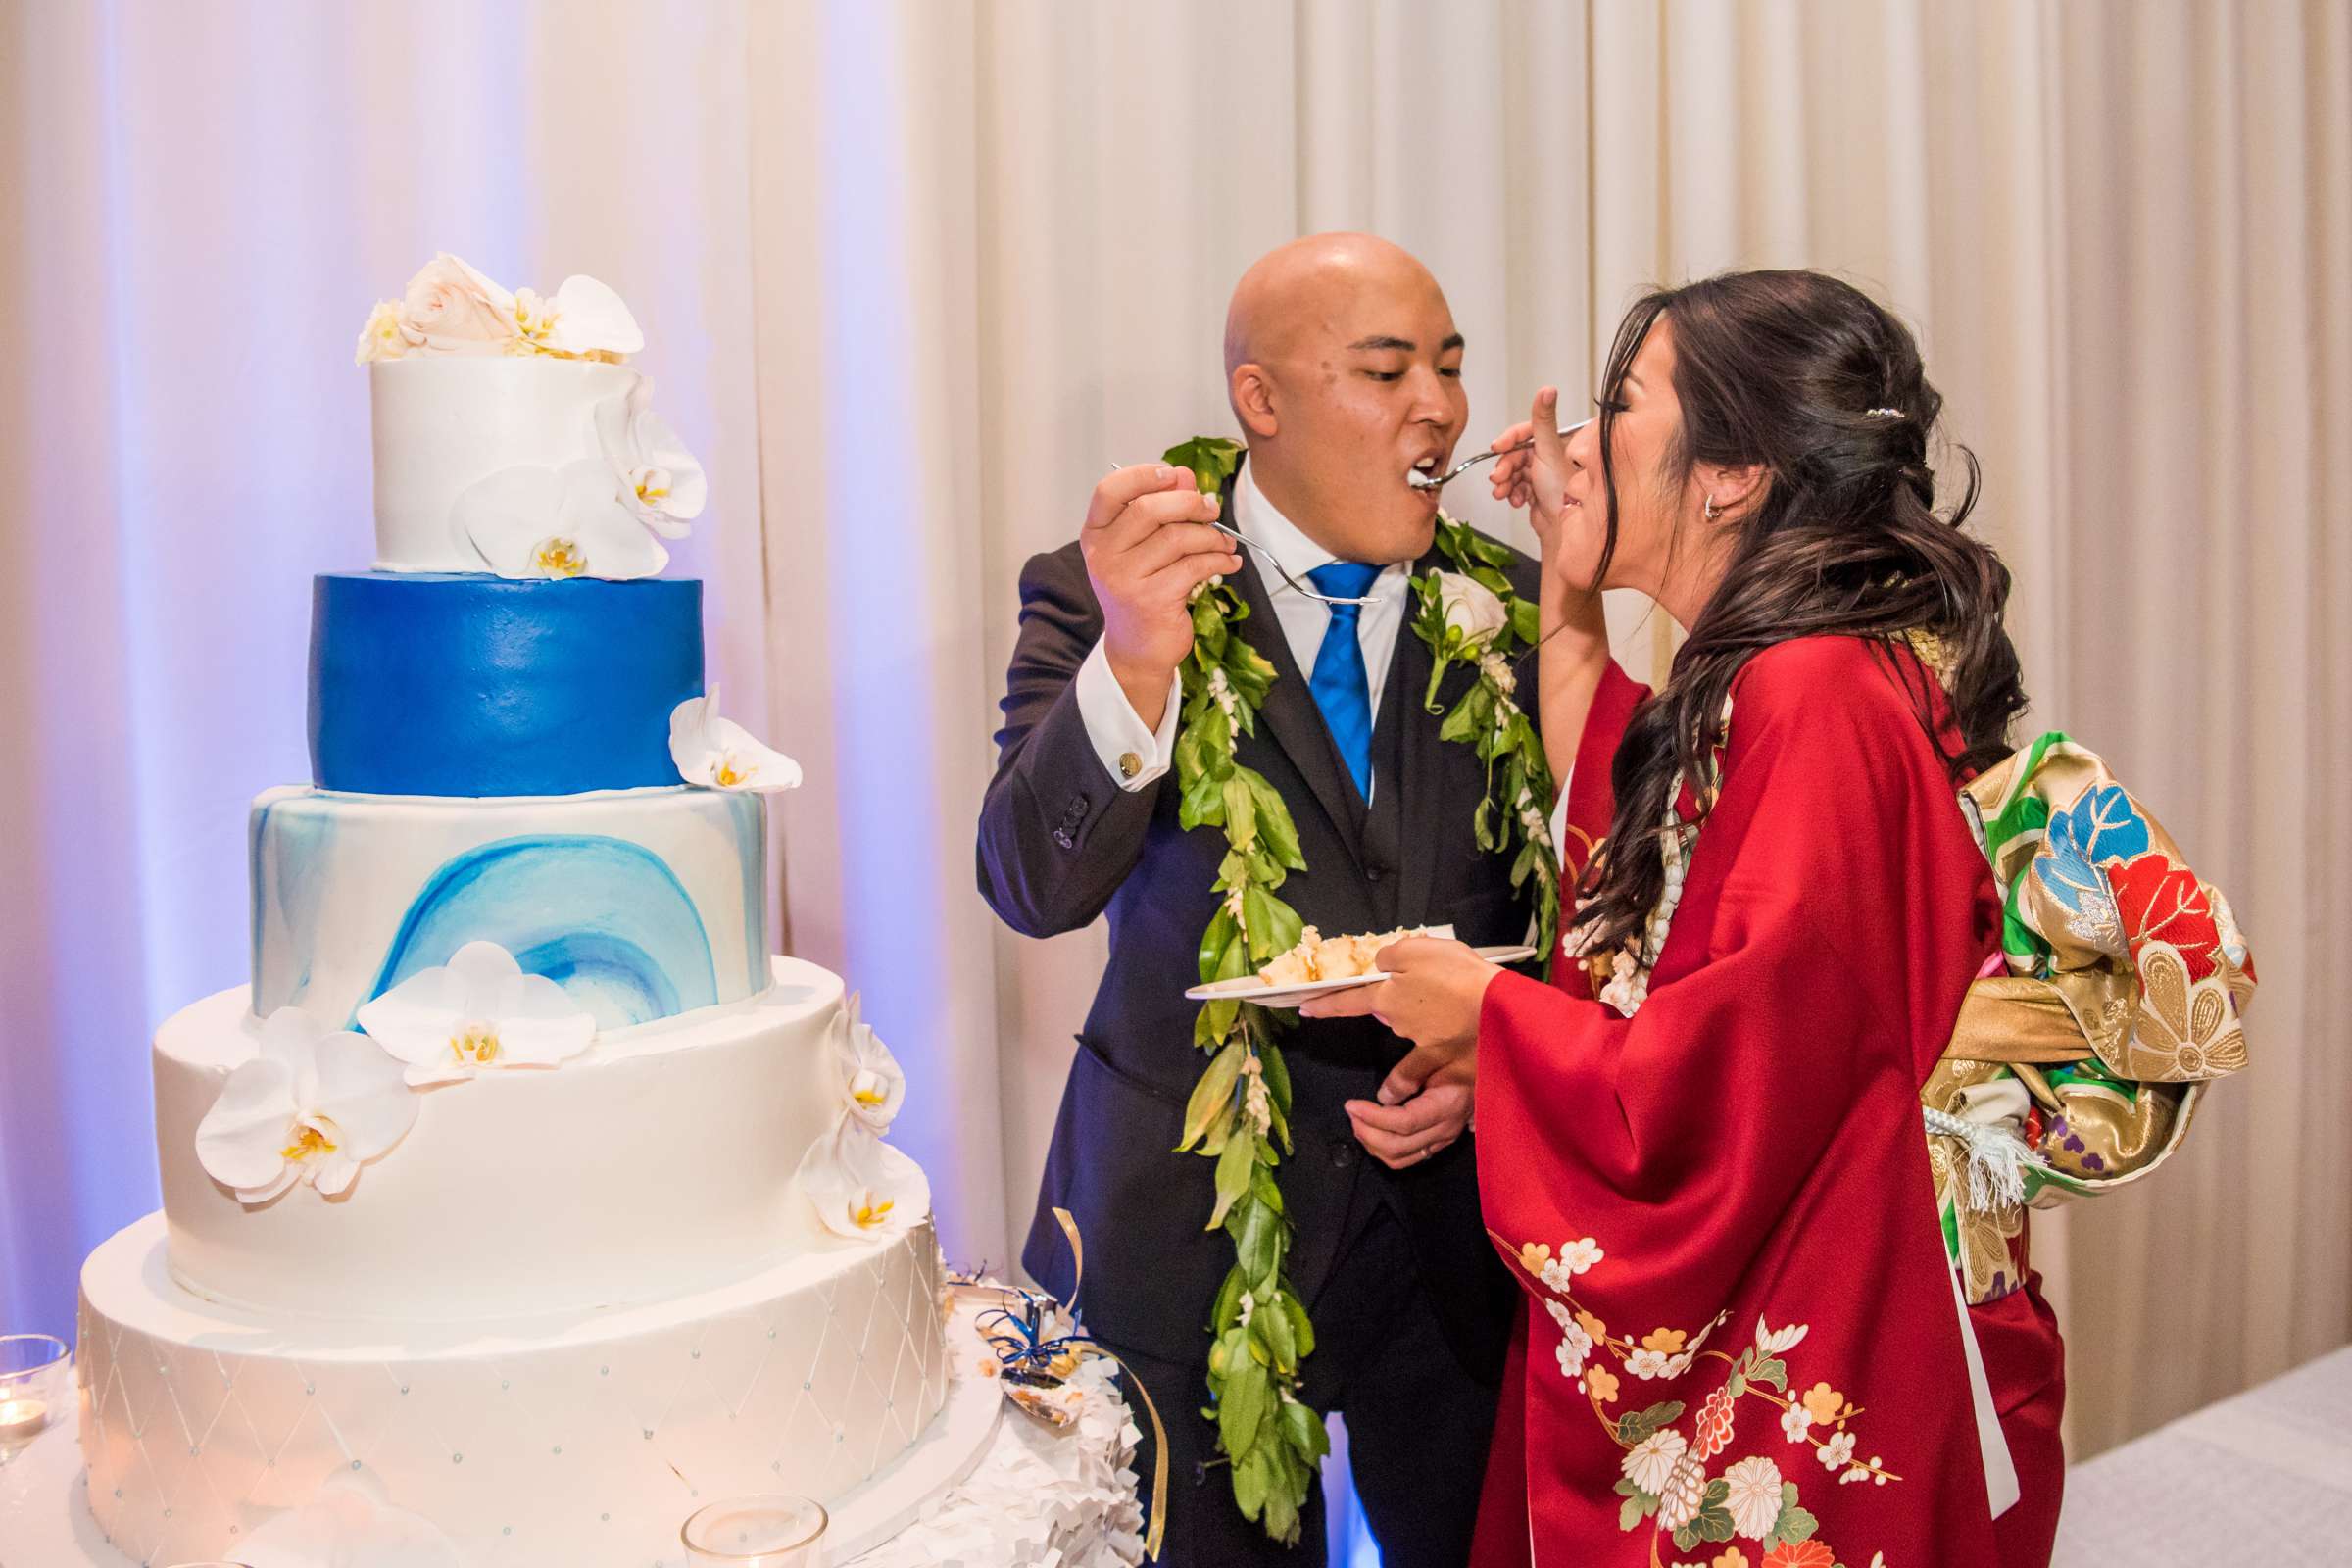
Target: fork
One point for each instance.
(1280, 570)
(1422, 481)
(1283, 572)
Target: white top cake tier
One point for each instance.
(445, 424)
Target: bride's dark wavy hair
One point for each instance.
(1783, 370)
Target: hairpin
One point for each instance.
(1883, 414)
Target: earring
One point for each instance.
(1711, 509)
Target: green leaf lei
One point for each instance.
(1514, 816)
(1239, 1114)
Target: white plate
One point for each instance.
(1249, 987)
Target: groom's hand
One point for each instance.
(1407, 1134)
(1148, 545)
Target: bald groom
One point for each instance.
(1344, 369)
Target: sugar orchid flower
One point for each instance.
(871, 1081)
(659, 480)
(479, 1012)
(315, 1104)
(721, 755)
(530, 522)
(861, 1187)
(584, 317)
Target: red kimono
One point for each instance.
(1743, 1343)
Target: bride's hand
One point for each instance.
(1539, 480)
(1535, 478)
(1431, 998)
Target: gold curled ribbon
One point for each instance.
(1156, 1533)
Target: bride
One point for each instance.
(1701, 1147)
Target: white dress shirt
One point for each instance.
(1117, 729)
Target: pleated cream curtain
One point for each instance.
(915, 273)
(2120, 229)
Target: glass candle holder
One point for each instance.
(32, 1386)
(764, 1531)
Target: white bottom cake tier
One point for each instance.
(582, 1439)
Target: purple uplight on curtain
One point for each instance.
(892, 927)
(212, 249)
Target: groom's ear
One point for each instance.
(1252, 393)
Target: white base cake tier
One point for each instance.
(582, 1439)
(641, 903)
(982, 1488)
(660, 1161)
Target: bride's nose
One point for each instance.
(1584, 443)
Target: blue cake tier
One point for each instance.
(431, 683)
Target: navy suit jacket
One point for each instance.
(1061, 842)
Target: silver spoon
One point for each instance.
(1422, 481)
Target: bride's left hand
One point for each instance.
(1431, 998)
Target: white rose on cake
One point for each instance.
(721, 755)
(452, 309)
(315, 1104)
(479, 1012)
(382, 338)
(860, 1187)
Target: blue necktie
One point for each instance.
(1341, 689)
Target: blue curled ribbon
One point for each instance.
(1027, 1357)
(1022, 1352)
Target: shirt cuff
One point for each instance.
(1134, 756)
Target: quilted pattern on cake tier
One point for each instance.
(586, 1453)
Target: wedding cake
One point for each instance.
(523, 1201)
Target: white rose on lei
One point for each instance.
(860, 1187)
(314, 1105)
(1471, 608)
(872, 1085)
(452, 309)
(529, 521)
(350, 1522)
(659, 479)
(584, 317)
(479, 1012)
(721, 755)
